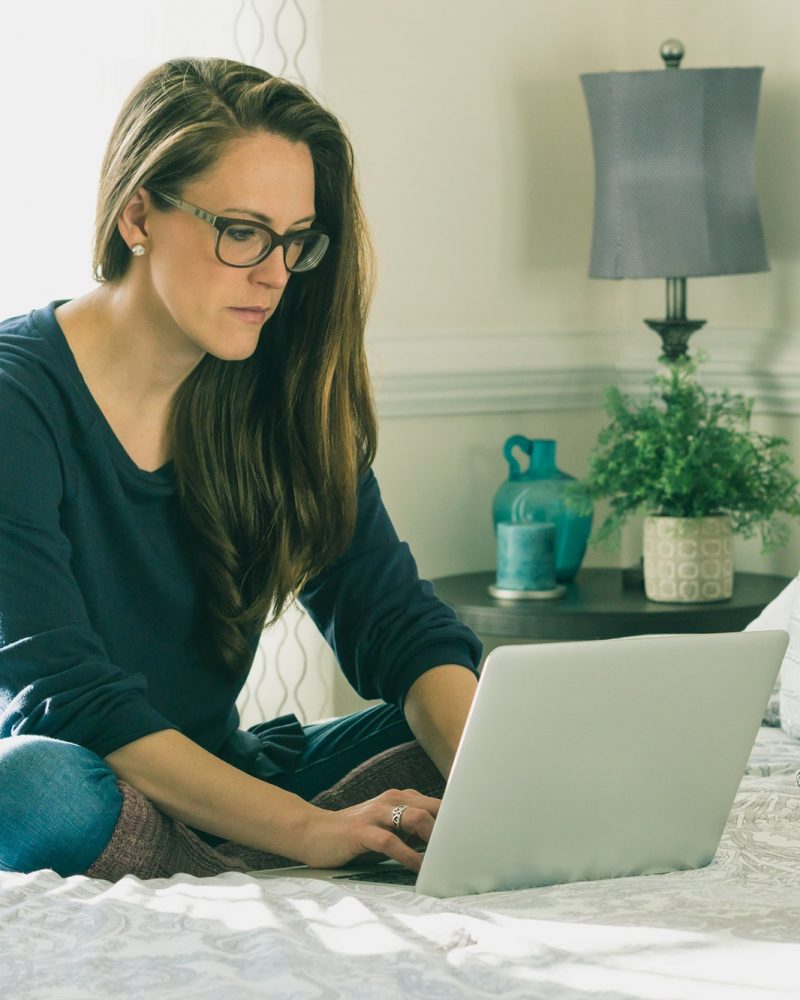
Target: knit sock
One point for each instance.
(149, 844)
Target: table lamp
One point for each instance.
(675, 189)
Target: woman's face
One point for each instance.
(221, 309)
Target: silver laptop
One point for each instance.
(590, 760)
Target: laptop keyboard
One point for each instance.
(401, 876)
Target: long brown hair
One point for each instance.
(267, 452)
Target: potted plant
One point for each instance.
(688, 458)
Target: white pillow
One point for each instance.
(783, 612)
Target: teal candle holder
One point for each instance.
(526, 564)
(543, 493)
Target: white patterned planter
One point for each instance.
(688, 560)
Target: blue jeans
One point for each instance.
(59, 803)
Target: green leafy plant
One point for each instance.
(684, 451)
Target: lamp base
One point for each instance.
(675, 335)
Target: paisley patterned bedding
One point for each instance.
(731, 930)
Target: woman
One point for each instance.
(187, 448)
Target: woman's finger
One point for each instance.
(411, 821)
(408, 796)
(391, 846)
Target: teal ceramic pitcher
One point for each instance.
(539, 493)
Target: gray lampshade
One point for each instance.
(675, 188)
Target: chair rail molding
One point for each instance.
(451, 372)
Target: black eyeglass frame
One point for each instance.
(222, 222)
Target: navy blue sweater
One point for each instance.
(103, 632)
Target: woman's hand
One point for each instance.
(336, 837)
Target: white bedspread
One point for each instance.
(731, 930)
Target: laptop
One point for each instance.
(593, 760)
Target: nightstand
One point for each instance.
(597, 606)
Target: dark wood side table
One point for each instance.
(596, 606)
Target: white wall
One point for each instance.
(469, 123)
(66, 66)
(468, 119)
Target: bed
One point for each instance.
(731, 930)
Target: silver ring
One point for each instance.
(397, 815)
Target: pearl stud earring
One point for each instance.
(137, 250)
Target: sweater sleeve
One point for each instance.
(56, 679)
(385, 625)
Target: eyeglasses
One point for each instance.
(245, 243)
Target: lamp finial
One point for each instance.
(672, 51)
